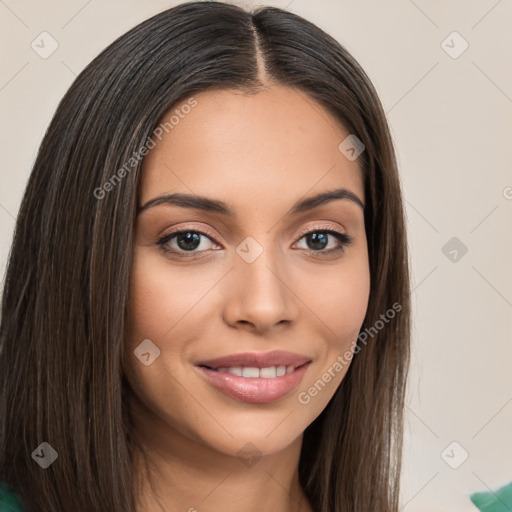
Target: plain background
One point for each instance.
(451, 119)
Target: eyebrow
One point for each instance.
(220, 207)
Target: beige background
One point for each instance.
(451, 120)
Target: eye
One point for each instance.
(325, 240)
(186, 243)
(189, 243)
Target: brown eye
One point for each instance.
(185, 243)
(318, 240)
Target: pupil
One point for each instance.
(190, 241)
(318, 238)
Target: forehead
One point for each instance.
(250, 150)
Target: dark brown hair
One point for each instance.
(65, 295)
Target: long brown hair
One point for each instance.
(66, 286)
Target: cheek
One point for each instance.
(347, 306)
(158, 313)
(163, 297)
(338, 296)
(171, 320)
(341, 303)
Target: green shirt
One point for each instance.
(494, 501)
(9, 501)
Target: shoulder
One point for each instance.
(9, 501)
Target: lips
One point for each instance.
(256, 360)
(255, 377)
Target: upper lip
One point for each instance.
(257, 360)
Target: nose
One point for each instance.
(259, 294)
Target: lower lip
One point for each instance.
(254, 390)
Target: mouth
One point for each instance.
(253, 377)
(253, 372)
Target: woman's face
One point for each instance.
(239, 299)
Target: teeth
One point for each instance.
(251, 372)
(262, 373)
(268, 373)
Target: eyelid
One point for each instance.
(189, 227)
(318, 227)
(211, 234)
(343, 240)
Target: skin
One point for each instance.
(260, 154)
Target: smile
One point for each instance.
(271, 372)
(253, 377)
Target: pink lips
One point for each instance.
(255, 389)
(258, 360)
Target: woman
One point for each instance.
(206, 304)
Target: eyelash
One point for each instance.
(343, 239)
